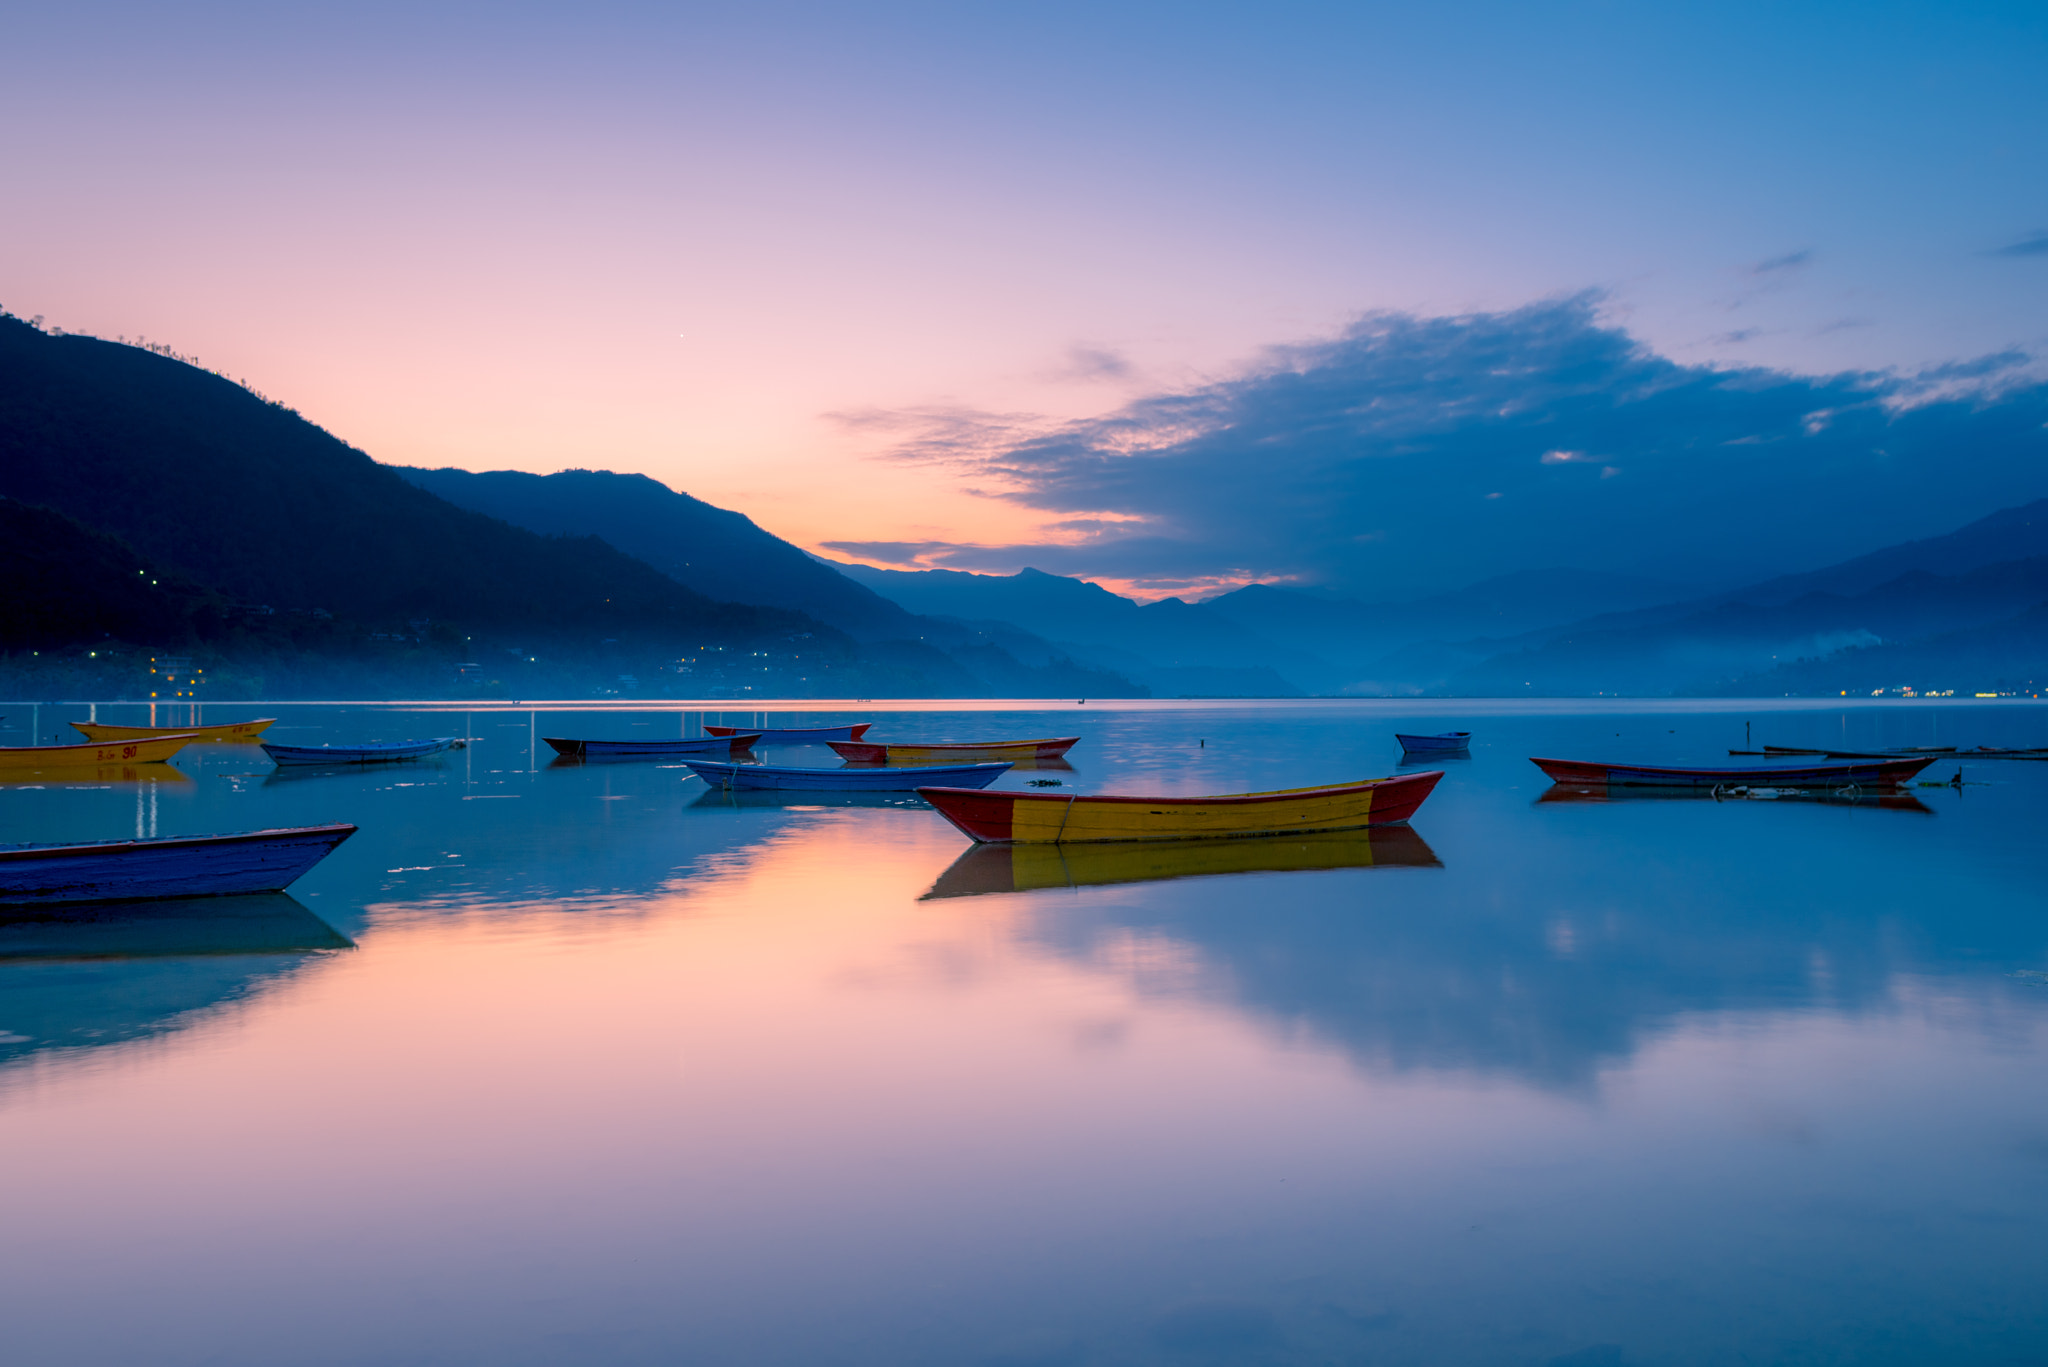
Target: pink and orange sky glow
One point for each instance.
(746, 251)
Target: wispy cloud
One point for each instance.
(2033, 244)
(1409, 453)
(1790, 261)
(1088, 364)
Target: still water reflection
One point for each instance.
(587, 1064)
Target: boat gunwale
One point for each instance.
(1254, 799)
(17, 853)
(7, 750)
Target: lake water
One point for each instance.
(564, 1065)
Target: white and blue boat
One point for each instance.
(895, 780)
(178, 866)
(1443, 743)
(733, 744)
(377, 752)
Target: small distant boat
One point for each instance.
(1875, 773)
(95, 753)
(179, 866)
(796, 735)
(233, 732)
(984, 868)
(1443, 743)
(2000, 752)
(965, 776)
(861, 752)
(378, 752)
(722, 743)
(1052, 819)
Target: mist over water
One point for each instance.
(588, 1064)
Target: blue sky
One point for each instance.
(714, 243)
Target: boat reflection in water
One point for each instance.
(94, 776)
(1025, 868)
(1890, 799)
(103, 973)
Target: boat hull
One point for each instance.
(181, 866)
(770, 776)
(861, 752)
(729, 743)
(95, 753)
(1456, 743)
(1875, 773)
(232, 733)
(798, 735)
(358, 754)
(1047, 819)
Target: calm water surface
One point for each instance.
(587, 1065)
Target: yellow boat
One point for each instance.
(233, 731)
(17, 758)
(1022, 868)
(1002, 816)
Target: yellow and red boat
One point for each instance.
(233, 731)
(19, 757)
(864, 752)
(1048, 819)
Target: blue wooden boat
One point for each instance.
(378, 752)
(179, 866)
(733, 744)
(1443, 743)
(896, 780)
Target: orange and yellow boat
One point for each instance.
(1049, 819)
(233, 731)
(19, 757)
(864, 752)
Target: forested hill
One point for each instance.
(718, 553)
(248, 498)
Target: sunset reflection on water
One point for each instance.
(614, 1075)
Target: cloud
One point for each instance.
(1407, 425)
(1086, 364)
(1790, 261)
(2033, 244)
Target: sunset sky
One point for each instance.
(838, 266)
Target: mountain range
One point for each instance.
(146, 501)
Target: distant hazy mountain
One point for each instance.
(244, 496)
(1171, 646)
(1951, 587)
(720, 554)
(1263, 638)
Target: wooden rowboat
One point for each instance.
(377, 752)
(862, 752)
(180, 866)
(797, 735)
(233, 732)
(725, 743)
(19, 757)
(1024, 868)
(1048, 819)
(1443, 743)
(1872, 773)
